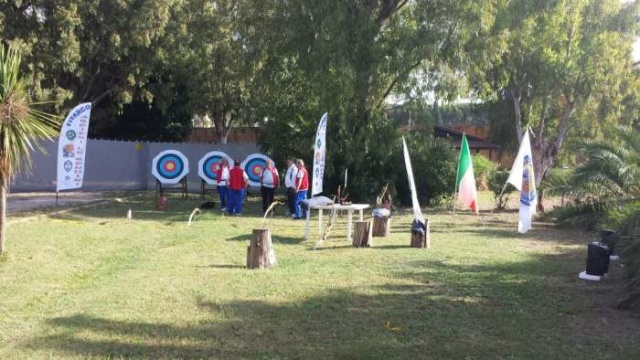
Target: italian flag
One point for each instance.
(465, 179)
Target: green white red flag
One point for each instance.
(466, 181)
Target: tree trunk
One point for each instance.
(381, 226)
(545, 150)
(362, 237)
(517, 111)
(222, 122)
(260, 253)
(421, 240)
(3, 216)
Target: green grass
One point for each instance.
(91, 284)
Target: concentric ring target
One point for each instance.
(170, 166)
(209, 164)
(253, 166)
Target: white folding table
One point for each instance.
(348, 208)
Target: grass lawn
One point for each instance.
(91, 284)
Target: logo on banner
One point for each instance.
(68, 165)
(67, 150)
(71, 134)
(528, 192)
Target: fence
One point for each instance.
(119, 165)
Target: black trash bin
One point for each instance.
(597, 258)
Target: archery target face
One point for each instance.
(210, 163)
(253, 166)
(170, 166)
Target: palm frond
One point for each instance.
(21, 125)
(584, 215)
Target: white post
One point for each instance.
(349, 216)
(306, 226)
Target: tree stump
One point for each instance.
(381, 226)
(362, 237)
(421, 240)
(260, 253)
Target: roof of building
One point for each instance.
(456, 138)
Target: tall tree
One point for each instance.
(21, 126)
(349, 57)
(99, 51)
(556, 61)
(222, 59)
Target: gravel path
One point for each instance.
(25, 202)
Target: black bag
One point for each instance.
(208, 205)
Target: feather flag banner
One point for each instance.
(522, 177)
(72, 148)
(319, 156)
(417, 213)
(465, 179)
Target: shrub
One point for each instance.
(482, 169)
(497, 180)
(434, 169)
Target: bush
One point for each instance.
(434, 169)
(482, 170)
(497, 180)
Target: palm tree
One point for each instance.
(606, 190)
(606, 182)
(21, 125)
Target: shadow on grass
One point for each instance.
(284, 240)
(243, 237)
(143, 208)
(488, 232)
(390, 247)
(522, 310)
(222, 266)
(328, 245)
(287, 240)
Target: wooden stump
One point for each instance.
(362, 237)
(381, 226)
(420, 240)
(260, 253)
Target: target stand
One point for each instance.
(181, 187)
(213, 189)
(170, 169)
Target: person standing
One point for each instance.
(269, 181)
(302, 186)
(290, 185)
(238, 182)
(222, 180)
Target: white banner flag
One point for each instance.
(72, 148)
(522, 177)
(319, 156)
(417, 212)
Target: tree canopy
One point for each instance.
(149, 67)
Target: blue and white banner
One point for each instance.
(319, 156)
(72, 148)
(522, 177)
